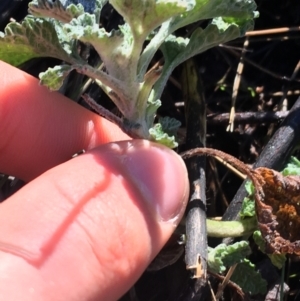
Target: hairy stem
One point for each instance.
(231, 228)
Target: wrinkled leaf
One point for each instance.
(54, 9)
(240, 12)
(248, 279)
(248, 208)
(224, 256)
(112, 47)
(203, 10)
(292, 168)
(249, 187)
(144, 16)
(34, 37)
(53, 78)
(178, 50)
(157, 134)
(248, 205)
(124, 78)
(169, 125)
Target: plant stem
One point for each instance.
(195, 115)
(231, 228)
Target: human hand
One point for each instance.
(85, 228)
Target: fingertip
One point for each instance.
(157, 172)
(94, 220)
(41, 129)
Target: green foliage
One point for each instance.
(293, 167)
(157, 134)
(224, 256)
(245, 275)
(249, 279)
(248, 205)
(54, 31)
(169, 125)
(55, 10)
(248, 208)
(32, 38)
(249, 188)
(55, 76)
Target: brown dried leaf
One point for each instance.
(278, 211)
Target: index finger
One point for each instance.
(41, 129)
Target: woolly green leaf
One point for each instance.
(278, 260)
(53, 78)
(223, 256)
(203, 10)
(15, 53)
(178, 50)
(292, 168)
(259, 240)
(157, 134)
(74, 10)
(113, 47)
(248, 208)
(248, 279)
(125, 67)
(249, 188)
(65, 10)
(240, 12)
(55, 9)
(248, 205)
(169, 125)
(173, 46)
(34, 37)
(90, 6)
(143, 16)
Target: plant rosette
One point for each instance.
(55, 29)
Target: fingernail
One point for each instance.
(160, 176)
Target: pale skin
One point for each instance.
(83, 228)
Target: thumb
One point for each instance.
(87, 229)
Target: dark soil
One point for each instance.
(270, 84)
